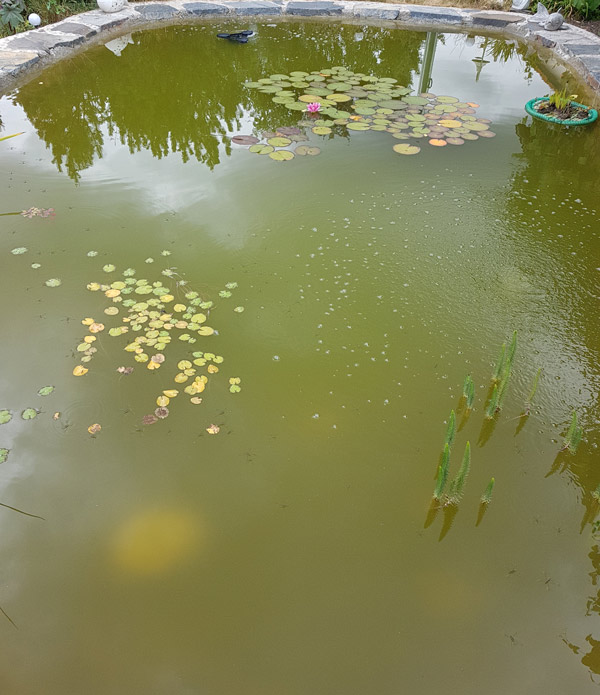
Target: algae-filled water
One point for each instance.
(295, 550)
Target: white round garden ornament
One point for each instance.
(111, 5)
(34, 19)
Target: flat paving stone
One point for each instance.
(371, 12)
(204, 8)
(583, 49)
(433, 14)
(13, 61)
(494, 19)
(313, 9)
(254, 8)
(153, 11)
(42, 42)
(103, 21)
(73, 28)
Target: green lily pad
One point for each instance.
(108, 268)
(4, 454)
(279, 142)
(357, 126)
(339, 86)
(5, 416)
(447, 100)
(29, 413)
(393, 104)
(53, 282)
(308, 98)
(35, 266)
(264, 80)
(303, 150)
(91, 254)
(252, 85)
(18, 251)
(46, 390)
(278, 77)
(261, 149)
(406, 149)
(338, 98)
(296, 106)
(298, 73)
(239, 309)
(321, 130)
(281, 155)
(420, 101)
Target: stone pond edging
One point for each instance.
(30, 51)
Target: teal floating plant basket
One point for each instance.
(592, 113)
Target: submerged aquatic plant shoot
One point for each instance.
(486, 498)
(451, 429)
(469, 391)
(573, 436)
(442, 474)
(458, 484)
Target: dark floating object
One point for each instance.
(238, 37)
(244, 140)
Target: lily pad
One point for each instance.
(307, 150)
(108, 268)
(447, 100)
(53, 282)
(358, 126)
(5, 416)
(321, 130)
(262, 149)
(487, 134)
(438, 142)
(4, 455)
(29, 413)
(281, 156)
(455, 141)
(420, 101)
(279, 142)
(18, 251)
(46, 390)
(244, 139)
(406, 149)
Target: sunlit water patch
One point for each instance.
(259, 405)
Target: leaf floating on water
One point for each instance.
(29, 413)
(404, 148)
(35, 266)
(56, 416)
(213, 429)
(307, 150)
(18, 251)
(239, 309)
(96, 327)
(4, 455)
(261, 149)
(91, 254)
(212, 369)
(5, 416)
(79, 370)
(281, 155)
(93, 286)
(171, 393)
(94, 429)
(108, 268)
(149, 419)
(124, 370)
(159, 358)
(205, 330)
(149, 260)
(438, 143)
(244, 139)
(111, 311)
(279, 141)
(224, 294)
(46, 390)
(196, 400)
(162, 413)
(321, 130)
(53, 282)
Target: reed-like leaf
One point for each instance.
(442, 475)
(500, 364)
(534, 387)
(451, 429)
(493, 404)
(486, 498)
(7, 137)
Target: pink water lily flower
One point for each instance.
(313, 107)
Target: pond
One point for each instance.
(254, 362)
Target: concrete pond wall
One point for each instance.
(25, 54)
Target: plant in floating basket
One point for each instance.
(560, 108)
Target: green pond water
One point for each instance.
(295, 550)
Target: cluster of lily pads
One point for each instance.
(337, 99)
(148, 313)
(27, 414)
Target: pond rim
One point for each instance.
(25, 55)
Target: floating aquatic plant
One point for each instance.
(457, 485)
(4, 454)
(451, 429)
(492, 405)
(486, 498)
(5, 416)
(596, 494)
(149, 311)
(531, 395)
(469, 391)
(499, 370)
(442, 474)
(348, 101)
(573, 436)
